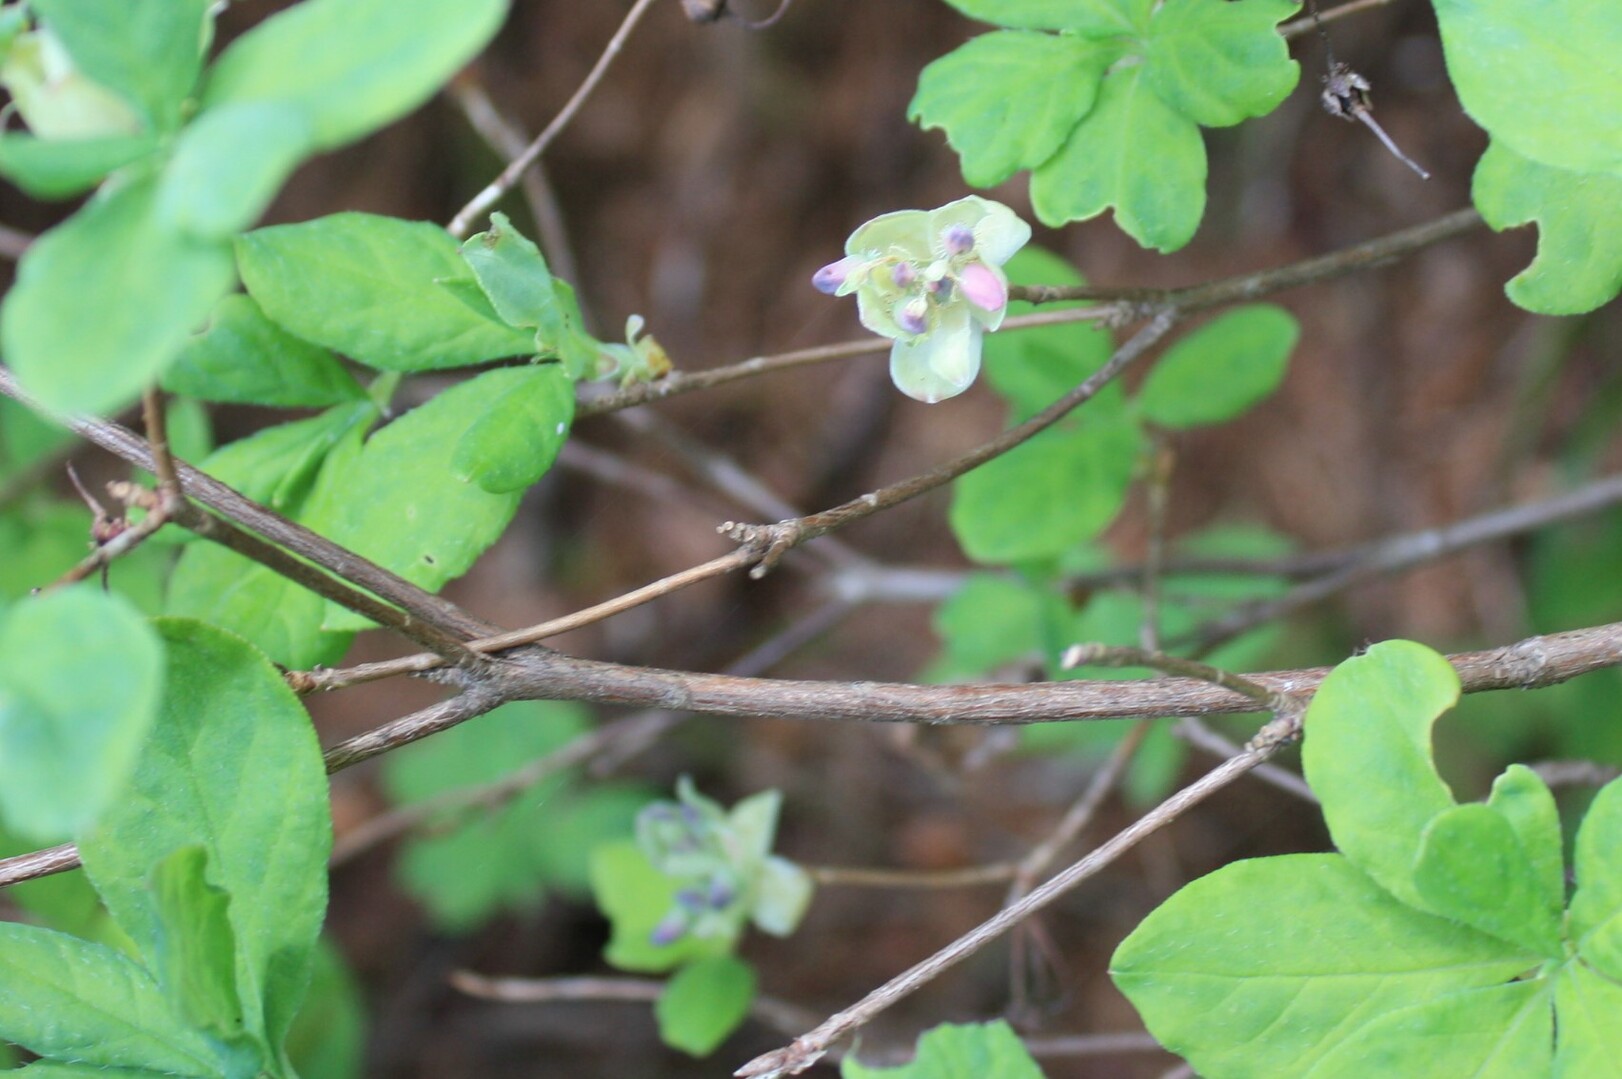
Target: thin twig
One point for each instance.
(509, 176)
(810, 1047)
(770, 542)
(14, 243)
(507, 139)
(1305, 24)
(780, 1015)
(326, 680)
(1197, 734)
(1241, 288)
(862, 877)
(1401, 553)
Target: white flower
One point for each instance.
(932, 280)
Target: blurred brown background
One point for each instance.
(712, 172)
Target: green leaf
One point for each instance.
(704, 1002)
(1096, 18)
(419, 518)
(514, 277)
(196, 953)
(989, 621)
(228, 164)
(299, 469)
(244, 358)
(1595, 923)
(1008, 100)
(375, 288)
(1579, 217)
(635, 898)
(328, 1037)
(1135, 153)
(958, 1051)
(1505, 1032)
(1049, 494)
(60, 168)
(1219, 63)
(480, 860)
(1540, 77)
(1586, 1005)
(1264, 966)
(234, 765)
(514, 443)
(278, 466)
(105, 301)
(1372, 717)
(149, 53)
(352, 66)
(73, 1000)
(1032, 368)
(1521, 797)
(1471, 868)
(1221, 370)
(80, 678)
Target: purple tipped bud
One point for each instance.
(669, 930)
(903, 274)
(692, 899)
(941, 289)
(721, 894)
(958, 240)
(830, 277)
(983, 287)
(914, 316)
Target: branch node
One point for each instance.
(766, 543)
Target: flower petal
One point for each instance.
(906, 231)
(999, 233)
(942, 363)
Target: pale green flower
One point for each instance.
(932, 280)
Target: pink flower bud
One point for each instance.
(830, 277)
(913, 316)
(983, 287)
(903, 274)
(958, 240)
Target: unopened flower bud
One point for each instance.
(721, 893)
(913, 317)
(983, 287)
(941, 289)
(903, 274)
(958, 239)
(669, 930)
(830, 277)
(692, 899)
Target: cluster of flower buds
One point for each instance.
(687, 841)
(932, 281)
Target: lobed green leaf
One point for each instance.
(957, 1051)
(227, 166)
(1221, 63)
(1008, 100)
(1542, 78)
(1579, 217)
(61, 168)
(1132, 152)
(1265, 966)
